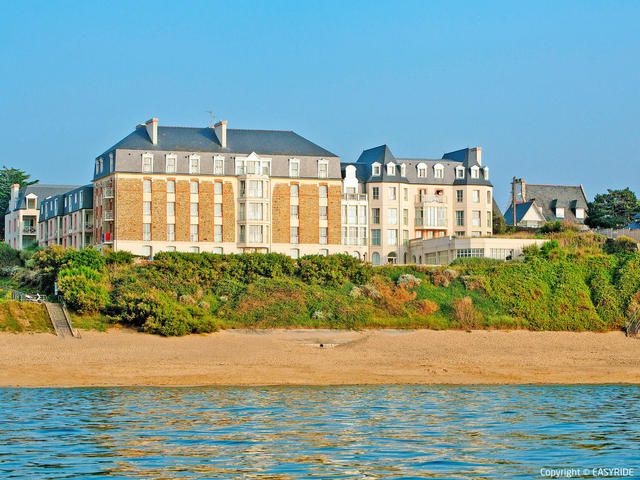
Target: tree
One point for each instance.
(613, 209)
(8, 177)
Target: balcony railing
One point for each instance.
(354, 196)
(107, 192)
(108, 215)
(354, 241)
(28, 230)
(88, 227)
(422, 198)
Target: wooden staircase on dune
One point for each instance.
(60, 320)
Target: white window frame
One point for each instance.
(475, 172)
(391, 168)
(174, 157)
(376, 169)
(145, 156)
(403, 170)
(323, 163)
(294, 162)
(216, 170)
(559, 212)
(459, 172)
(193, 171)
(422, 170)
(486, 173)
(580, 214)
(438, 171)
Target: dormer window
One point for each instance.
(111, 162)
(294, 168)
(194, 164)
(580, 213)
(438, 171)
(403, 170)
(218, 165)
(459, 172)
(422, 170)
(323, 169)
(475, 172)
(486, 173)
(172, 161)
(391, 169)
(559, 212)
(147, 163)
(376, 170)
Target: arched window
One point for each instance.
(392, 258)
(422, 170)
(405, 258)
(375, 258)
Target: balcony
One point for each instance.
(422, 199)
(107, 192)
(108, 215)
(88, 227)
(361, 197)
(107, 238)
(28, 230)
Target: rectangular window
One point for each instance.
(460, 218)
(217, 250)
(488, 196)
(171, 249)
(194, 209)
(193, 233)
(362, 214)
(438, 172)
(294, 191)
(218, 166)
(375, 236)
(194, 164)
(171, 232)
(241, 167)
(241, 211)
(460, 172)
(147, 163)
(294, 168)
(580, 213)
(469, 252)
(294, 235)
(254, 211)
(194, 249)
(255, 233)
(217, 188)
(294, 253)
(405, 237)
(254, 189)
(171, 209)
(171, 164)
(459, 234)
(459, 195)
(324, 235)
(392, 216)
(559, 212)
(375, 193)
(324, 252)
(195, 187)
(392, 237)
(146, 208)
(217, 233)
(146, 186)
(293, 211)
(352, 214)
(242, 234)
(171, 186)
(392, 193)
(489, 223)
(323, 169)
(323, 190)
(324, 214)
(146, 232)
(476, 196)
(405, 217)
(217, 210)
(405, 194)
(376, 170)
(146, 251)
(475, 218)
(375, 215)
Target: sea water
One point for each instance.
(320, 432)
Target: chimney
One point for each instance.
(221, 132)
(513, 201)
(15, 188)
(523, 190)
(152, 130)
(475, 154)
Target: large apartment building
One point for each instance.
(412, 198)
(67, 219)
(218, 190)
(23, 213)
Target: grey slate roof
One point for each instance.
(83, 200)
(549, 197)
(263, 142)
(521, 210)
(41, 191)
(382, 154)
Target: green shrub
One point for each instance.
(9, 257)
(121, 257)
(83, 289)
(333, 270)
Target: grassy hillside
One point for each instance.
(20, 317)
(574, 282)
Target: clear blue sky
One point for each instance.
(550, 90)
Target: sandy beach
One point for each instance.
(123, 357)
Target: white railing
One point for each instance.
(354, 196)
(107, 192)
(354, 241)
(423, 198)
(108, 215)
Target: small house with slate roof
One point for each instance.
(537, 204)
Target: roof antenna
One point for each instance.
(211, 117)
